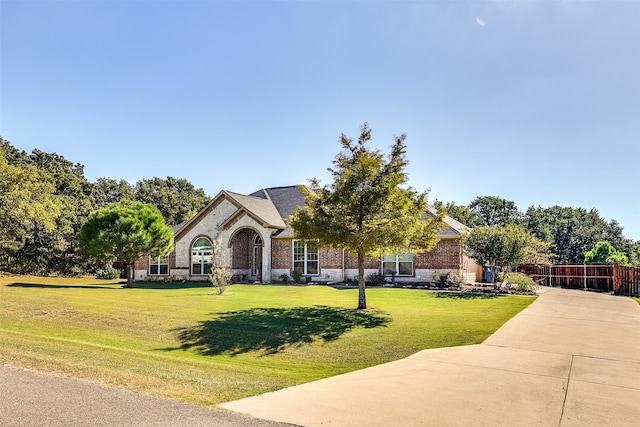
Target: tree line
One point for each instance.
(570, 233)
(45, 199)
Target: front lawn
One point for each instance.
(178, 341)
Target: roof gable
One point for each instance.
(452, 227)
(262, 210)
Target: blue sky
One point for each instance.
(536, 102)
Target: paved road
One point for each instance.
(571, 358)
(29, 398)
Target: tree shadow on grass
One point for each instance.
(465, 295)
(271, 330)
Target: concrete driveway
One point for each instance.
(572, 358)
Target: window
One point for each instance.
(201, 256)
(400, 264)
(305, 257)
(159, 266)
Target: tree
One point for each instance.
(221, 274)
(573, 231)
(605, 253)
(108, 190)
(177, 199)
(460, 213)
(365, 210)
(501, 246)
(55, 250)
(27, 203)
(125, 231)
(493, 210)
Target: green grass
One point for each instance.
(181, 342)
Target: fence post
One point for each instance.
(585, 276)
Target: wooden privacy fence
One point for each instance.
(618, 279)
(594, 277)
(626, 281)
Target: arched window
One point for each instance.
(201, 256)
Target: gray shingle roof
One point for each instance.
(273, 206)
(286, 199)
(262, 208)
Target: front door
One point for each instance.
(256, 259)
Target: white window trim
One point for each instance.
(397, 264)
(202, 263)
(156, 261)
(305, 261)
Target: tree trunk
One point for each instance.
(130, 272)
(362, 297)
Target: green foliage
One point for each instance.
(55, 250)
(126, 231)
(108, 190)
(460, 213)
(605, 253)
(519, 281)
(573, 231)
(447, 279)
(221, 274)
(491, 210)
(365, 210)
(107, 273)
(504, 246)
(177, 199)
(28, 204)
(375, 279)
(297, 276)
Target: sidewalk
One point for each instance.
(572, 358)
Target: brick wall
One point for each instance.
(330, 258)
(281, 253)
(351, 261)
(445, 255)
(241, 250)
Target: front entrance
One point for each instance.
(256, 259)
(247, 252)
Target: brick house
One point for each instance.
(263, 246)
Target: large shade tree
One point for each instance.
(177, 199)
(366, 210)
(126, 231)
(27, 203)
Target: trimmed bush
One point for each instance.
(519, 282)
(107, 273)
(375, 279)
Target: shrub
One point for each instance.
(375, 279)
(297, 276)
(284, 278)
(519, 282)
(107, 273)
(447, 279)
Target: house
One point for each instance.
(263, 246)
